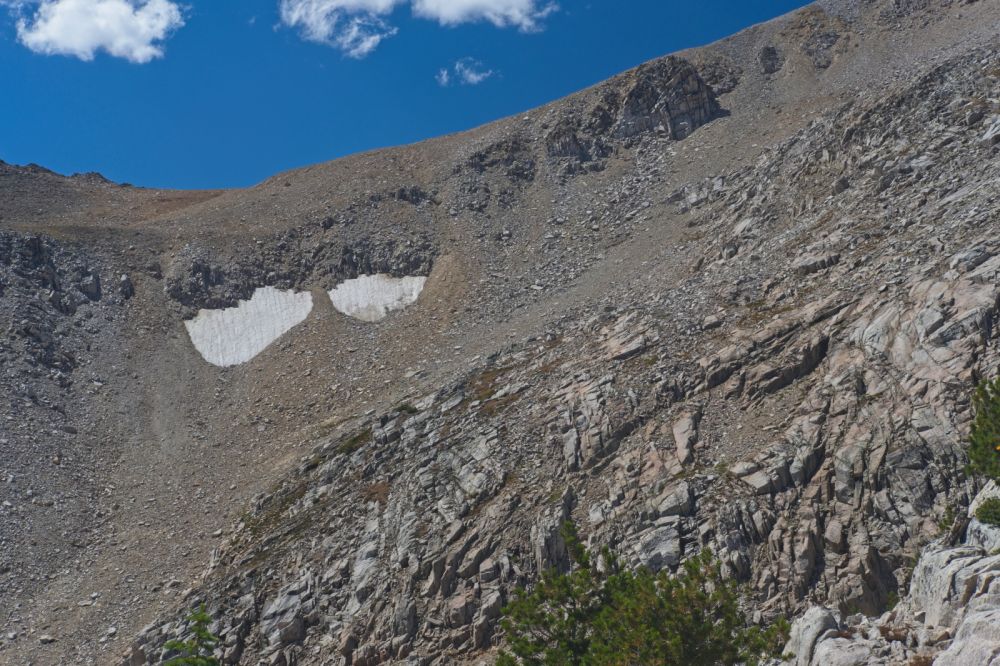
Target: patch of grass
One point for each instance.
(377, 492)
(547, 368)
(555, 495)
(491, 407)
(311, 464)
(651, 360)
(722, 471)
(272, 515)
(407, 408)
(557, 339)
(921, 660)
(326, 428)
(483, 386)
(355, 441)
(869, 398)
(988, 512)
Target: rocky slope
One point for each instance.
(949, 617)
(735, 298)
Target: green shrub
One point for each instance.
(197, 651)
(615, 616)
(989, 512)
(355, 441)
(984, 438)
(948, 520)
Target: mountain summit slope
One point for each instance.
(734, 298)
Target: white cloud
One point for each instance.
(357, 27)
(467, 72)
(129, 29)
(523, 14)
(470, 72)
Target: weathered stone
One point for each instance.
(760, 482)
(660, 547)
(806, 631)
(685, 433)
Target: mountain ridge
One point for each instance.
(600, 310)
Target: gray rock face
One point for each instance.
(685, 433)
(950, 614)
(198, 278)
(770, 59)
(814, 625)
(660, 547)
(810, 262)
(831, 397)
(669, 94)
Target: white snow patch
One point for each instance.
(372, 297)
(235, 335)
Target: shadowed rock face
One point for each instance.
(668, 93)
(315, 255)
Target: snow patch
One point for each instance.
(235, 335)
(372, 297)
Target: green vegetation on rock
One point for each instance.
(989, 512)
(608, 615)
(199, 650)
(984, 438)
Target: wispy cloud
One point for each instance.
(357, 27)
(466, 72)
(522, 14)
(129, 29)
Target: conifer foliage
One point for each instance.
(199, 650)
(609, 615)
(984, 439)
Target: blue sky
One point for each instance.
(223, 93)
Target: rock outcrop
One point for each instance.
(949, 616)
(734, 299)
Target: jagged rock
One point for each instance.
(955, 592)
(677, 501)
(659, 547)
(580, 259)
(819, 47)
(812, 263)
(992, 135)
(666, 93)
(760, 482)
(977, 641)
(282, 618)
(685, 433)
(770, 59)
